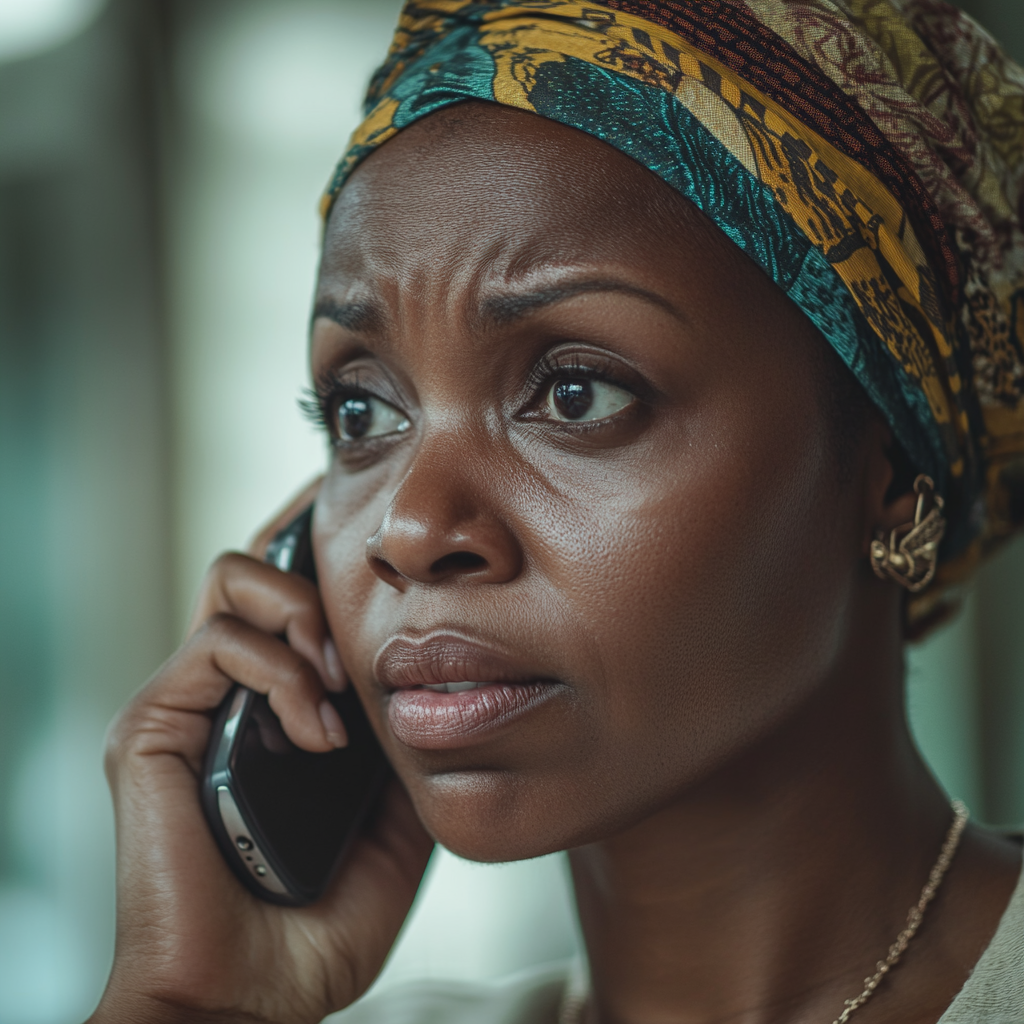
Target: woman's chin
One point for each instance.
(501, 848)
(481, 819)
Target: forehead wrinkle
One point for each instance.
(359, 316)
(503, 309)
(543, 268)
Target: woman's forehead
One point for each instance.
(464, 228)
(510, 189)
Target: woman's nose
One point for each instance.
(440, 528)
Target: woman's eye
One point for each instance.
(364, 417)
(580, 400)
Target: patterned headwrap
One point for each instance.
(867, 154)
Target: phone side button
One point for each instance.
(239, 833)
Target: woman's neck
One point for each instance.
(768, 892)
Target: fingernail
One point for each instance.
(336, 674)
(333, 725)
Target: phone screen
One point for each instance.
(306, 806)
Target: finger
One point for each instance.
(228, 650)
(257, 547)
(275, 601)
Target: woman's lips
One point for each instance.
(428, 720)
(448, 692)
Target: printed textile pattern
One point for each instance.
(868, 154)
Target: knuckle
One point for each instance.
(296, 675)
(218, 574)
(302, 599)
(312, 607)
(114, 741)
(293, 679)
(220, 622)
(227, 563)
(219, 627)
(308, 615)
(119, 738)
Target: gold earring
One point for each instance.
(913, 552)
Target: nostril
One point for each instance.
(384, 569)
(458, 562)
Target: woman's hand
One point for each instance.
(192, 943)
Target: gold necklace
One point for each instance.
(573, 1004)
(916, 914)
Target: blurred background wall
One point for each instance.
(160, 163)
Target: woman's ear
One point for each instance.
(258, 545)
(886, 506)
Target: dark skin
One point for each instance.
(721, 744)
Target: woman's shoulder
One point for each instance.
(994, 993)
(532, 996)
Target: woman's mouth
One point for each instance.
(452, 687)
(447, 692)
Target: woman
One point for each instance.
(671, 356)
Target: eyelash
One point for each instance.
(320, 402)
(552, 368)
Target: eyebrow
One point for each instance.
(499, 309)
(364, 317)
(505, 309)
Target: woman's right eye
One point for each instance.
(364, 416)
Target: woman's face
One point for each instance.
(580, 459)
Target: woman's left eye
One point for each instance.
(364, 416)
(582, 400)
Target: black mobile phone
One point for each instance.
(284, 817)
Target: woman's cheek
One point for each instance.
(693, 582)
